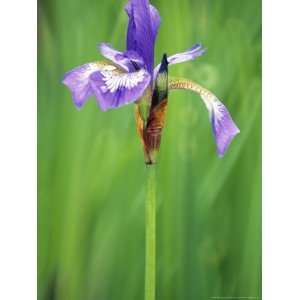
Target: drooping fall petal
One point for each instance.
(114, 89)
(223, 127)
(111, 86)
(78, 81)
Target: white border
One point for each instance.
(18, 25)
(281, 150)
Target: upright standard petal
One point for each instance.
(223, 127)
(190, 54)
(143, 25)
(155, 19)
(114, 89)
(128, 60)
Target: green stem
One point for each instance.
(150, 219)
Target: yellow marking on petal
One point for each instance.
(185, 84)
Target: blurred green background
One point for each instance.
(91, 174)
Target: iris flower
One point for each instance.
(130, 77)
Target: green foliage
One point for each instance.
(91, 174)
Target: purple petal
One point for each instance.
(126, 60)
(224, 129)
(77, 80)
(155, 20)
(113, 89)
(115, 56)
(190, 54)
(143, 25)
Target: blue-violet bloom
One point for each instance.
(130, 77)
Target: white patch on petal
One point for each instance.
(114, 81)
(88, 69)
(209, 99)
(109, 68)
(83, 72)
(77, 80)
(218, 109)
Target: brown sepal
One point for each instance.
(151, 133)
